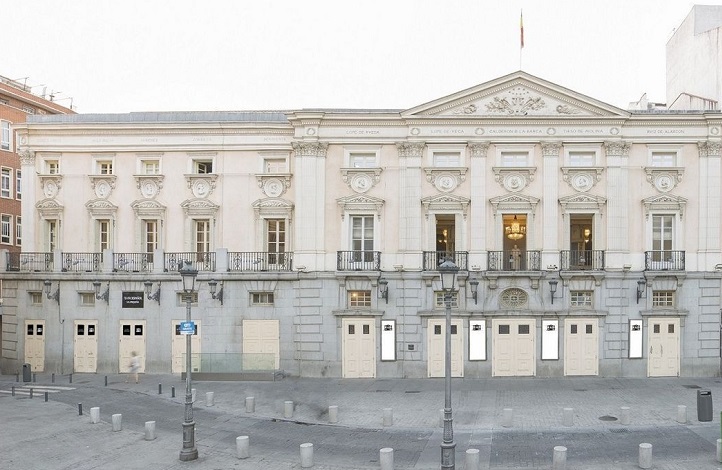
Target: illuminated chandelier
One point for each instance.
(515, 231)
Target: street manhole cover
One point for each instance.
(607, 418)
(691, 386)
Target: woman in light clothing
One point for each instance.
(134, 365)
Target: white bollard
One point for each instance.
(250, 404)
(472, 459)
(117, 422)
(388, 417)
(149, 430)
(243, 447)
(193, 395)
(681, 414)
(307, 455)
(645, 455)
(507, 417)
(95, 415)
(288, 409)
(559, 461)
(624, 416)
(209, 398)
(719, 450)
(333, 414)
(568, 417)
(386, 457)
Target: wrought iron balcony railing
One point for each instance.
(30, 262)
(259, 261)
(664, 260)
(582, 260)
(358, 261)
(133, 262)
(432, 259)
(200, 260)
(514, 260)
(82, 262)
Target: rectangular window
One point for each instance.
(18, 180)
(663, 298)
(362, 160)
(662, 233)
(87, 299)
(275, 165)
(202, 236)
(504, 329)
(580, 298)
(359, 298)
(439, 301)
(203, 167)
(150, 167)
(5, 135)
(6, 235)
(104, 234)
(262, 298)
(276, 240)
(6, 175)
(36, 298)
(514, 159)
(664, 159)
(51, 235)
(52, 167)
(581, 159)
(150, 236)
(447, 159)
(18, 231)
(104, 167)
(181, 298)
(362, 238)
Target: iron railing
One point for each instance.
(133, 262)
(82, 262)
(514, 260)
(582, 260)
(200, 260)
(432, 259)
(358, 260)
(30, 262)
(664, 260)
(259, 261)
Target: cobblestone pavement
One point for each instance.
(36, 434)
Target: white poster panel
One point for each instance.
(635, 339)
(477, 340)
(388, 340)
(550, 339)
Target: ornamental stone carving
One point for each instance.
(582, 179)
(410, 149)
(361, 180)
(514, 179)
(478, 149)
(708, 148)
(445, 179)
(51, 185)
(513, 298)
(27, 156)
(518, 102)
(148, 208)
(618, 148)
(551, 149)
(49, 208)
(274, 185)
(664, 179)
(201, 185)
(310, 149)
(102, 185)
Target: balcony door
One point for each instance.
(581, 240)
(445, 237)
(514, 255)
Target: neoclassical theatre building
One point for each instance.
(587, 239)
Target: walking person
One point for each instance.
(134, 366)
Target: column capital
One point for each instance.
(310, 149)
(618, 148)
(478, 149)
(551, 149)
(410, 149)
(708, 148)
(27, 156)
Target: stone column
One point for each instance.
(618, 203)
(552, 176)
(410, 219)
(309, 213)
(477, 180)
(709, 207)
(30, 230)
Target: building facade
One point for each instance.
(587, 237)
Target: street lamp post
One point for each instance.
(448, 271)
(189, 451)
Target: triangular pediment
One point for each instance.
(445, 203)
(666, 203)
(514, 201)
(582, 202)
(518, 94)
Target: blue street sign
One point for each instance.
(187, 328)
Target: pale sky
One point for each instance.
(167, 55)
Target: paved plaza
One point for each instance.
(35, 434)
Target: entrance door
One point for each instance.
(436, 346)
(261, 344)
(178, 348)
(663, 347)
(85, 346)
(581, 346)
(359, 348)
(35, 344)
(513, 348)
(132, 339)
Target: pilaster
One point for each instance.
(27, 165)
(310, 204)
(410, 180)
(550, 242)
(478, 181)
(710, 182)
(617, 156)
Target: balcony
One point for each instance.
(664, 260)
(82, 262)
(202, 261)
(582, 260)
(259, 261)
(514, 260)
(133, 262)
(358, 261)
(30, 262)
(432, 259)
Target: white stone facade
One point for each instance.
(331, 223)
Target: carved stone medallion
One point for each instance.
(149, 189)
(102, 189)
(273, 187)
(361, 182)
(201, 188)
(50, 189)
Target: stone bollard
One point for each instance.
(333, 414)
(250, 404)
(193, 395)
(149, 430)
(624, 416)
(386, 457)
(117, 422)
(288, 409)
(243, 447)
(507, 419)
(209, 398)
(719, 450)
(307, 455)
(559, 461)
(681, 414)
(472, 459)
(645, 455)
(388, 419)
(568, 417)
(95, 415)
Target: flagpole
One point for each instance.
(521, 35)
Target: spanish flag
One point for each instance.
(521, 27)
